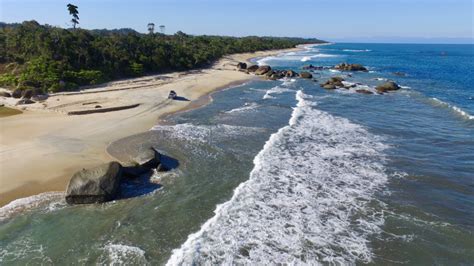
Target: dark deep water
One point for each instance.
(330, 177)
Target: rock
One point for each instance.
(311, 67)
(27, 94)
(149, 158)
(306, 75)
(364, 91)
(95, 185)
(262, 70)
(17, 93)
(24, 101)
(290, 74)
(388, 86)
(400, 74)
(350, 67)
(172, 95)
(252, 68)
(5, 94)
(241, 65)
(329, 86)
(357, 67)
(98, 106)
(336, 79)
(40, 97)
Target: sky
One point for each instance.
(418, 21)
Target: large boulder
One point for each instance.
(17, 93)
(95, 185)
(263, 70)
(149, 158)
(306, 75)
(387, 86)
(252, 68)
(241, 65)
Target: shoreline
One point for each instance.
(45, 140)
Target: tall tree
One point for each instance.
(151, 27)
(74, 13)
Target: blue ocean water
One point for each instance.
(287, 172)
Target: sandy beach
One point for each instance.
(42, 147)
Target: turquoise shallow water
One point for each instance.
(298, 174)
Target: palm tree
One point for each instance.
(151, 27)
(74, 12)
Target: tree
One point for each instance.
(162, 29)
(151, 27)
(74, 13)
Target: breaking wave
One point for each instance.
(309, 198)
(453, 108)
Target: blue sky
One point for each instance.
(335, 20)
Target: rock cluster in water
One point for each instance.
(101, 183)
(270, 73)
(331, 84)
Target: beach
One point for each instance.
(42, 147)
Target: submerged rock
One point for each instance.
(263, 70)
(95, 185)
(306, 75)
(329, 86)
(388, 86)
(364, 91)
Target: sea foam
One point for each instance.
(308, 198)
(453, 108)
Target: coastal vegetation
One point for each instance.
(54, 59)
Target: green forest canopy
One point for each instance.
(55, 59)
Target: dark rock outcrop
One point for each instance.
(252, 68)
(17, 93)
(364, 91)
(388, 86)
(95, 185)
(329, 86)
(311, 67)
(241, 65)
(333, 83)
(263, 70)
(306, 75)
(290, 74)
(350, 67)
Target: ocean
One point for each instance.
(287, 172)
